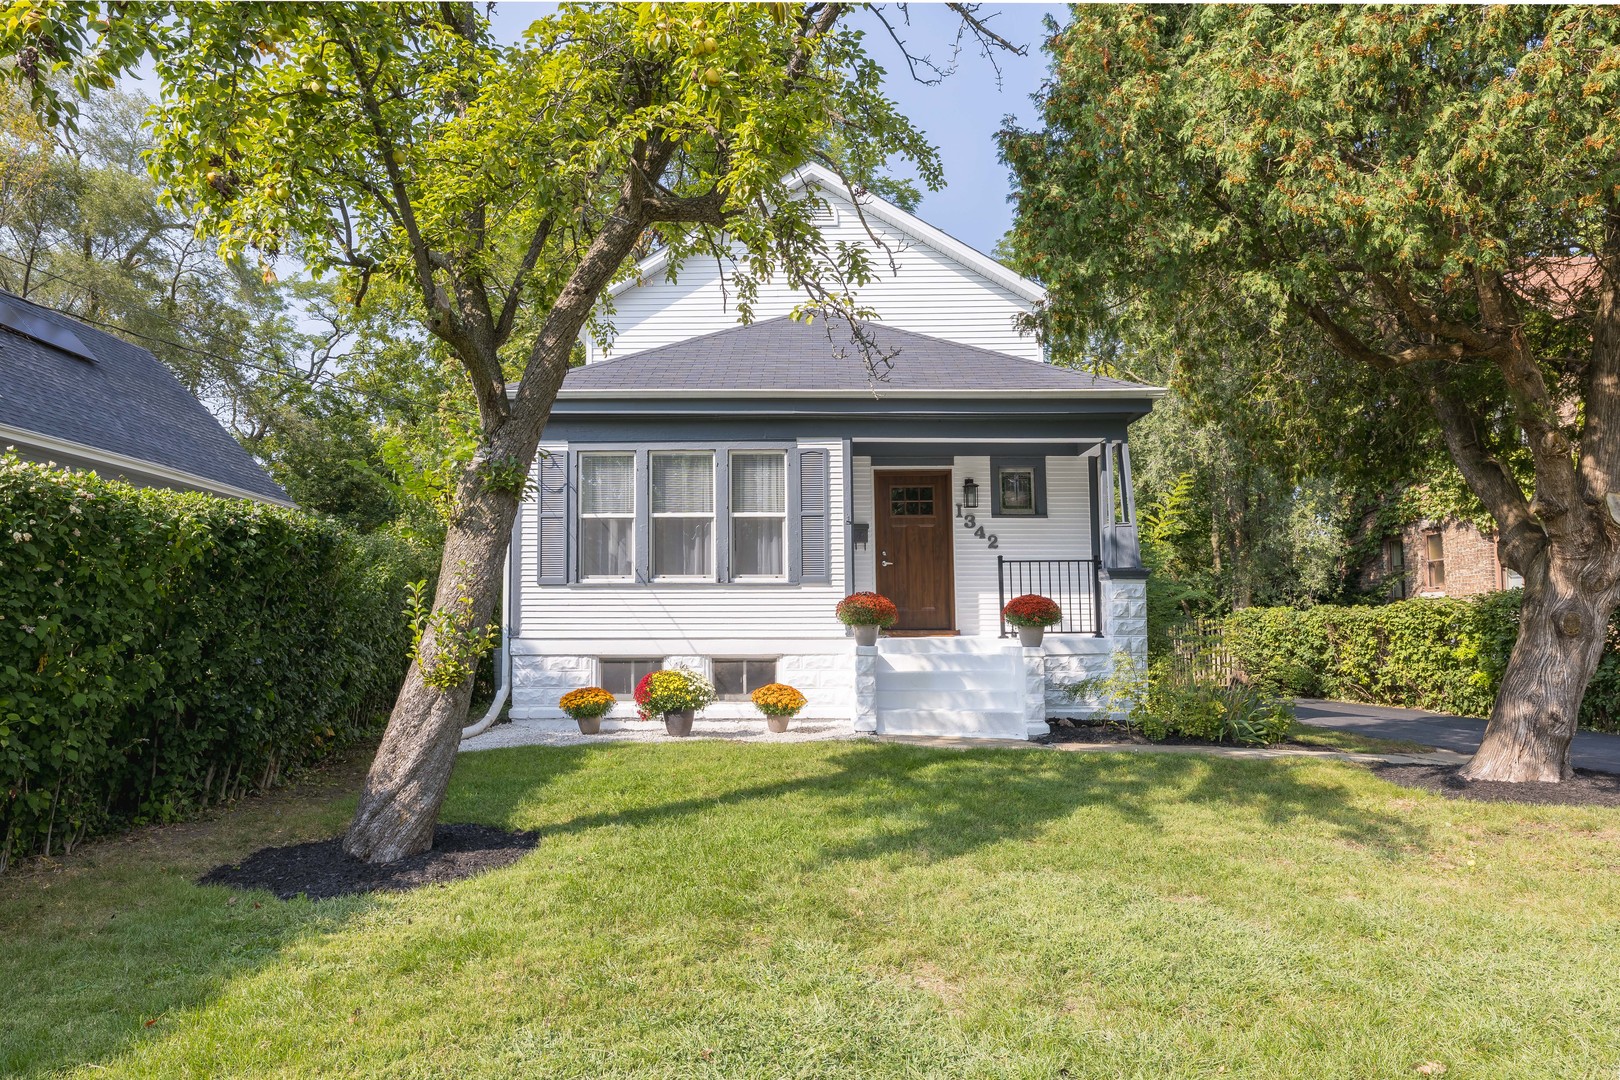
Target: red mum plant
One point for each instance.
(644, 696)
(1032, 611)
(867, 609)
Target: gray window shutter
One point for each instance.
(815, 542)
(551, 532)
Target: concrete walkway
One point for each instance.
(1251, 753)
(1592, 750)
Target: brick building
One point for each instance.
(1438, 558)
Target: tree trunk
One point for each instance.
(410, 775)
(1563, 628)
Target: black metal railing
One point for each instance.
(1075, 584)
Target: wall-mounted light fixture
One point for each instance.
(970, 494)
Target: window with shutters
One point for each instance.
(682, 531)
(758, 514)
(607, 516)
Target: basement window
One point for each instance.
(735, 680)
(619, 677)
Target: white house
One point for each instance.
(709, 491)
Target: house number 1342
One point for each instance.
(971, 522)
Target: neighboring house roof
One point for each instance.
(781, 356)
(824, 179)
(82, 397)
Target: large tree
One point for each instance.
(1431, 193)
(505, 188)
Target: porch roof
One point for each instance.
(819, 359)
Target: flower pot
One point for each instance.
(589, 725)
(1030, 636)
(678, 724)
(866, 635)
(777, 724)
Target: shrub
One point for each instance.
(867, 609)
(1447, 655)
(673, 690)
(161, 651)
(778, 699)
(587, 703)
(1160, 702)
(1032, 611)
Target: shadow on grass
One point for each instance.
(935, 804)
(112, 945)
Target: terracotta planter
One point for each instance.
(1030, 636)
(589, 725)
(866, 635)
(777, 724)
(678, 724)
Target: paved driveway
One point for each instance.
(1592, 750)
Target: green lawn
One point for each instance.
(854, 910)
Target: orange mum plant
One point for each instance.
(778, 699)
(592, 701)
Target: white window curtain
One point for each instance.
(607, 515)
(682, 514)
(759, 514)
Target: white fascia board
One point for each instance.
(1102, 393)
(50, 444)
(884, 211)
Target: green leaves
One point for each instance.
(186, 649)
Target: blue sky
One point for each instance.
(961, 114)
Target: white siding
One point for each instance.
(661, 620)
(925, 291)
(1065, 533)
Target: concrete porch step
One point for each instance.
(954, 678)
(999, 699)
(933, 645)
(977, 663)
(962, 723)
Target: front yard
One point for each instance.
(851, 909)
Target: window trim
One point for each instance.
(1394, 568)
(579, 517)
(756, 515)
(712, 517)
(1036, 463)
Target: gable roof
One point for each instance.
(780, 356)
(825, 180)
(114, 406)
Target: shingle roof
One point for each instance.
(124, 401)
(780, 354)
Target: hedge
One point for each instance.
(163, 651)
(1443, 655)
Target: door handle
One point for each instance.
(886, 562)
(885, 558)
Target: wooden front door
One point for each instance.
(915, 564)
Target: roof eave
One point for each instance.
(1109, 393)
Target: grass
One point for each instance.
(711, 909)
(1350, 742)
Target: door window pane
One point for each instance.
(911, 501)
(758, 514)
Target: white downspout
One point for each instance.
(503, 659)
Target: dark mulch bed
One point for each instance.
(1585, 788)
(320, 870)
